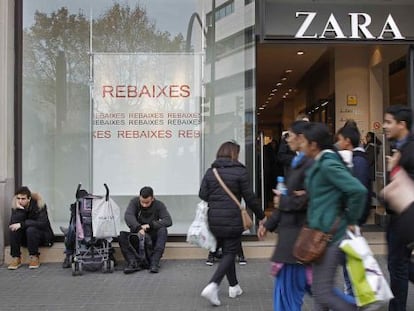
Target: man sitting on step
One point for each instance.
(29, 226)
(145, 215)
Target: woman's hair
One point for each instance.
(298, 127)
(229, 149)
(318, 133)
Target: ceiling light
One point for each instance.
(300, 52)
(279, 84)
(290, 90)
(274, 90)
(288, 70)
(284, 79)
(261, 108)
(272, 94)
(284, 96)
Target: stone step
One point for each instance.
(183, 250)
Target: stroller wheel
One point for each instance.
(108, 266)
(77, 268)
(111, 266)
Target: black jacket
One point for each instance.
(291, 214)
(156, 215)
(224, 216)
(35, 215)
(406, 160)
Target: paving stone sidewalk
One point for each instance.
(176, 288)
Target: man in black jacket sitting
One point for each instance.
(29, 226)
(145, 215)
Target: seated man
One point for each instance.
(145, 215)
(29, 225)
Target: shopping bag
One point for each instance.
(368, 282)
(105, 218)
(199, 233)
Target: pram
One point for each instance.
(91, 252)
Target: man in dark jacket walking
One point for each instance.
(397, 125)
(145, 215)
(29, 226)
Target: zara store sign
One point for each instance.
(358, 24)
(337, 22)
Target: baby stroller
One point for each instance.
(94, 231)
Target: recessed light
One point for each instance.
(284, 79)
(274, 90)
(261, 108)
(300, 52)
(279, 84)
(288, 70)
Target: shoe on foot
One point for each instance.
(67, 262)
(15, 263)
(210, 259)
(34, 262)
(132, 267)
(235, 291)
(210, 292)
(154, 269)
(242, 261)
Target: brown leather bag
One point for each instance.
(311, 243)
(247, 220)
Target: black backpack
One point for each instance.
(141, 246)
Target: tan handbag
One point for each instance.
(311, 243)
(247, 220)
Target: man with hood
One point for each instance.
(29, 226)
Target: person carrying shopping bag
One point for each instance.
(291, 277)
(336, 201)
(224, 216)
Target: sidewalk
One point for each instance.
(176, 288)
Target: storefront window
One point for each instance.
(121, 93)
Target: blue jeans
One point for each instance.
(398, 266)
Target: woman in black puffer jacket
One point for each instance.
(224, 216)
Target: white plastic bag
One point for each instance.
(368, 282)
(199, 233)
(105, 218)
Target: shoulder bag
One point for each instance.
(311, 243)
(247, 220)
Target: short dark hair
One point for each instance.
(146, 192)
(352, 133)
(299, 126)
(351, 123)
(401, 113)
(229, 149)
(24, 191)
(318, 133)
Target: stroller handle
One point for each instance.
(107, 192)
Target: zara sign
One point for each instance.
(337, 22)
(358, 24)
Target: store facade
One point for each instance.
(143, 93)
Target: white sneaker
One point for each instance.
(210, 292)
(235, 291)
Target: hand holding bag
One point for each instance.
(247, 220)
(199, 233)
(311, 243)
(368, 282)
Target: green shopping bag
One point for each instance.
(368, 282)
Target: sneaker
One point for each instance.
(15, 263)
(210, 260)
(67, 262)
(34, 262)
(210, 292)
(242, 261)
(235, 291)
(132, 267)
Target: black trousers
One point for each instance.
(158, 238)
(30, 237)
(227, 266)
